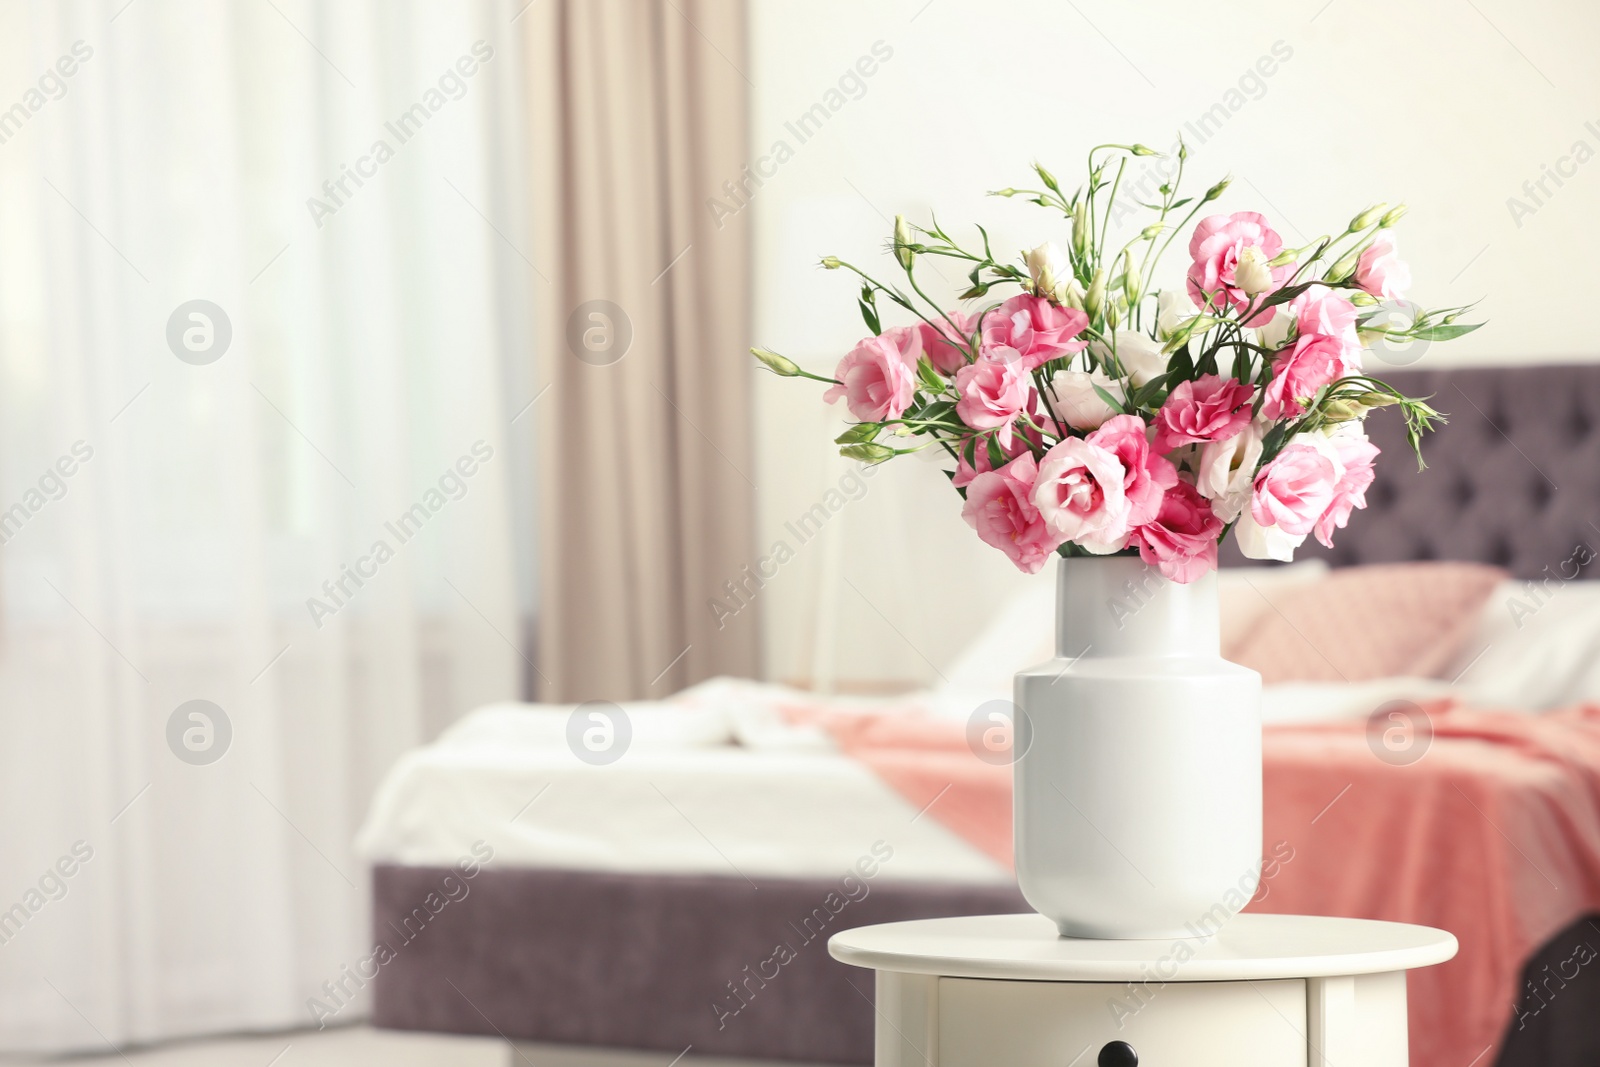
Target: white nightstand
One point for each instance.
(1265, 991)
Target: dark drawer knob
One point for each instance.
(1118, 1054)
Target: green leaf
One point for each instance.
(1151, 393)
(1115, 404)
(960, 488)
(1283, 296)
(997, 458)
(1180, 368)
(986, 253)
(869, 309)
(1273, 442)
(1445, 331)
(860, 432)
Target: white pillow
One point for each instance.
(1537, 647)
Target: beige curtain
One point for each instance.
(646, 476)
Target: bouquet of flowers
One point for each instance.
(1090, 413)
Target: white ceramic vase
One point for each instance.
(1138, 784)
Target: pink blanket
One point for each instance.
(1494, 835)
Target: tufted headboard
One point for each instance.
(1513, 478)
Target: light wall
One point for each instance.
(1449, 105)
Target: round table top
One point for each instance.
(1248, 948)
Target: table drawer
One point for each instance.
(985, 1022)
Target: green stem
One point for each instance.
(1111, 203)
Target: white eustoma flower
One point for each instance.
(1265, 542)
(1275, 333)
(1173, 309)
(1073, 397)
(1141, 357)
(1227, 470)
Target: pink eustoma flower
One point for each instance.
(1209, 408)
(1147, 475)
(1038, 330)
(944, 340)
(992, 391)
(1181, 541)
(1320, 310)
(1000, 508)
(1300, 370)
(878, 378)
(1079, 492)
(1229, 254)
(1357, 454)
(1381, 271)
(1293, 491)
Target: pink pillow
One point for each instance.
(1361, 623)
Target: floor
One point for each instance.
(360, 1046)
(354, 1046)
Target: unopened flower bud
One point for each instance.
(1095, 298)
(1046, 177)
(1217, 190)
(777, 364)
(867, 453)
(1152, 231)
(1341, 410)
(1362, 299)
(902, 239)
(1187, 329)
(831, 263)
(1367, 217)
(1144, 150)
(1007, 191)
(1080, 230)
(1392, 216)
(1343, 267)
(1046, 265)
(1069, 294)
(1117, 309)
(1284, 258)
(1131, 284)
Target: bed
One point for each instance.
(643, 903)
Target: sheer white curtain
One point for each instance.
(167, 521)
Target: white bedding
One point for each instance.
(784, 804)
(715, 781)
